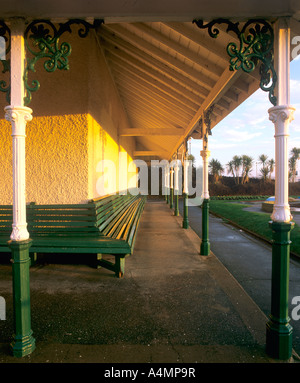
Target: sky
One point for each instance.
(248, 130)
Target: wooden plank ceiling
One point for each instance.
(167, 74)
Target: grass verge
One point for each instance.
(255, 222)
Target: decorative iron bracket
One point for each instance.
(42, 41)
(207, 121)
(256, 43)
(200, 124)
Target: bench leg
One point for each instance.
(33, 258)
(120, 266)
(99, 258)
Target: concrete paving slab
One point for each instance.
(172, 306)
(249, 260)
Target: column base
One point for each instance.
(176, 211)
(185, 221)
(205, 244)
(185, 224)
(205, 248)
(22, 345)
(278, 330)
(171, 199)
(279, 340)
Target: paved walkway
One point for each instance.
(172, 306)
(249, 260)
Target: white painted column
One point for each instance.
(281, 115)
(171, 177)
(167, 179)
(18, 115)
(176, 169)
(205, 153)
(185, 177)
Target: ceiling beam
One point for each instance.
(223, 84)
(141, 68)
(161, 55)
(160, 103)
(144, 57)
(202, 39)
(223, 104)
(149, 153)
(159, 88)
(137, 132)
(162, 98)
(185, 98)
(151, 110)
(242, 85)
(206, 65)
(155, 107)
(144, 112)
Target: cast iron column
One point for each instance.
(171, 188)
(167, 177)
(23, 342)
(176, 189)
(279, 330)
(205, 244)
(185, 221)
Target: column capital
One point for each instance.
(18, 116)
(281, 116)
(205, 153)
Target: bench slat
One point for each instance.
(106, 220)
(105, 225)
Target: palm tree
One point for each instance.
(295, 154)
(271, 164)
(292, 166)
(237, 162)
(263, 159)
(216, 169)
(247, 164)
(230, 168)
(265, 170)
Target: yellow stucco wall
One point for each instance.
(56, 160)
(106, 117)
(76, 118)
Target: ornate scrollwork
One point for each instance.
(207, 119)
(200, 126)
(42, 41)
(256, 39)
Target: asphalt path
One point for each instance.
(249, 260)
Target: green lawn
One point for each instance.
(256, 222)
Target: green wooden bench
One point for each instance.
(106, 225)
